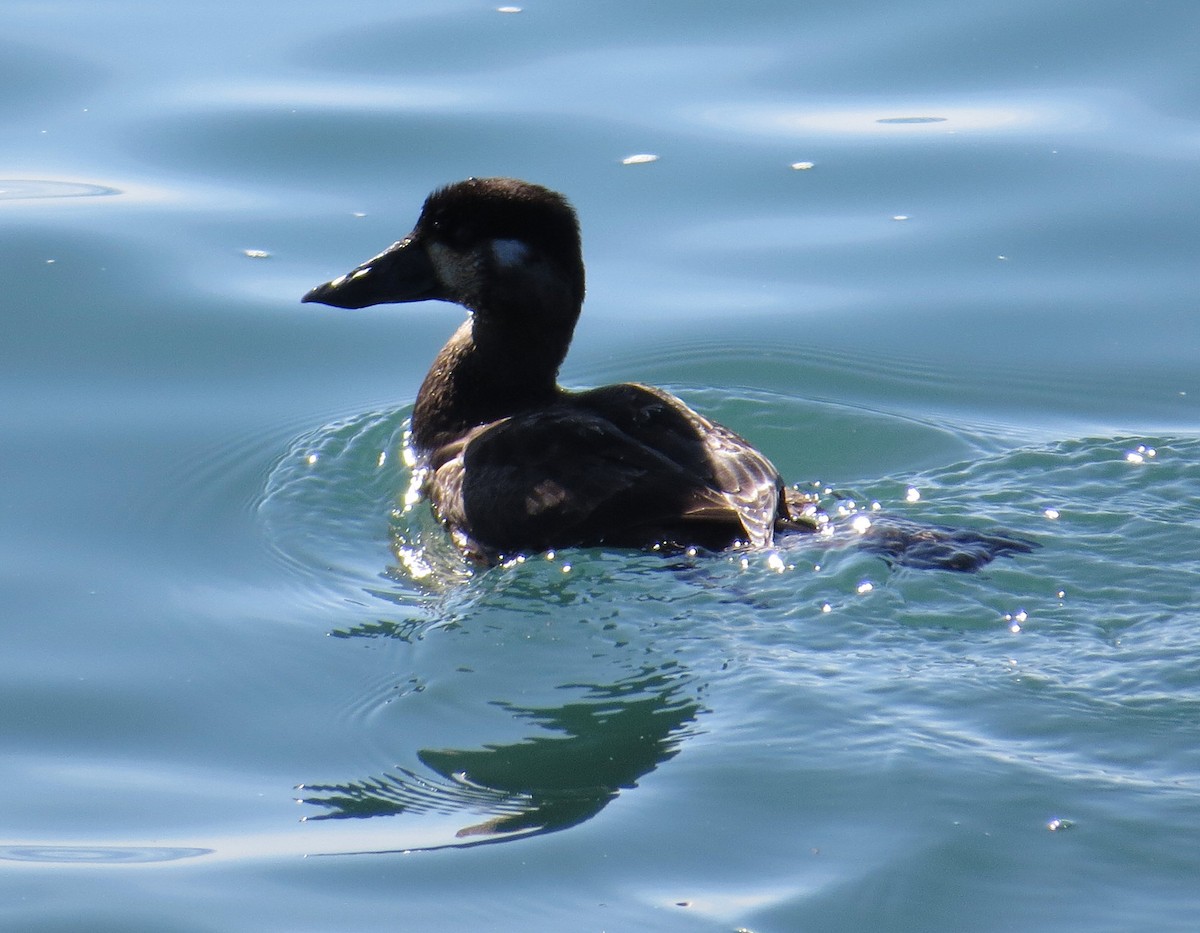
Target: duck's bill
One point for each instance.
(402, 272)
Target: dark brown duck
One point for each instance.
(517, 464)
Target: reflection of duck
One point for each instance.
(603, 743)
(517, 464)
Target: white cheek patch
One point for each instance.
(509, 253)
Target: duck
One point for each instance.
(513, 463)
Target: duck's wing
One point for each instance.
(564, 476)
(744, 484)
(748, 482)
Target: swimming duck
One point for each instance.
(516, 464)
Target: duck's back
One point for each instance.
(624, 465)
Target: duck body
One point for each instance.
(624, 465)
(512, 462)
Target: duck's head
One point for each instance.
(498, 246)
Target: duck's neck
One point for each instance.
(484, 373)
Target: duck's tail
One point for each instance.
(905, 543)
(938, 547)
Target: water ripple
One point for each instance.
(13, 189)
(99, 855)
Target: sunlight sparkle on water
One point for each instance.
(416, 484)
(1015, 620)
(413, 560)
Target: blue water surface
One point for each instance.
(938, 260)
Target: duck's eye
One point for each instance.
(509, 253)
(444, 231)
(457, 236)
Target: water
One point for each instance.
(244, 689)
